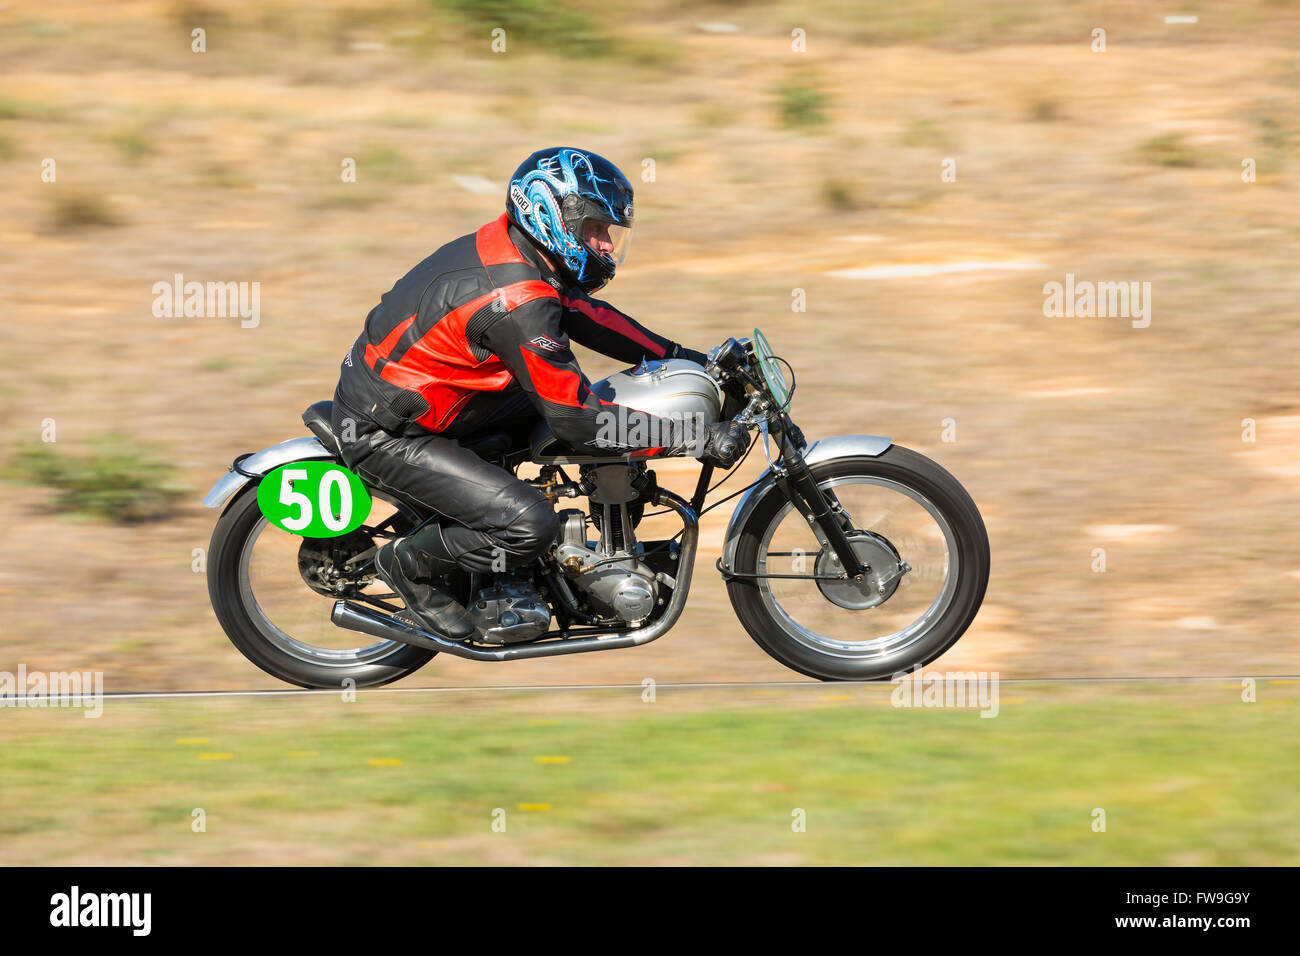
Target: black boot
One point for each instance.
(413, 567)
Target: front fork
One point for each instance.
(820, 508)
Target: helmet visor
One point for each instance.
(608, 240)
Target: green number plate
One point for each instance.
(316, 499)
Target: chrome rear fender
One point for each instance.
(307, 448)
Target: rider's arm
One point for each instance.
(530, 340)
(604, 329)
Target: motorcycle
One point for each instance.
(849, 558)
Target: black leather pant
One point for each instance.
(496, 522)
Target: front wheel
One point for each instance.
(921, 535)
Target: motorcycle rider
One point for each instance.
(476, 339)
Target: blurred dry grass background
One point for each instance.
(773, 169)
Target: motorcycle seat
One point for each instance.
(317, 418)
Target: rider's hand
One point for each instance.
(724, 443)
(682, 352)
(795, 435)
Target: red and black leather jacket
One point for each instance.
(482, 314)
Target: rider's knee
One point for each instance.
(534, 529)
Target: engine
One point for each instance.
(509, 612)
(609, 575)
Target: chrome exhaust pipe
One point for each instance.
(358, 617)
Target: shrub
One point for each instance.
(1168, 149)
(119, 480)
(74, 207)
(839, 194)
(801, 102)
(541, 26)
(133, 143)
(926, 133)
(1044, 109)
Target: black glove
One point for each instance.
(795, 435)
(682, 352)
(724, 443)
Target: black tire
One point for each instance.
(946, 493)
(237, 522)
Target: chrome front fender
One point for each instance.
(305, 448)
(841, 446)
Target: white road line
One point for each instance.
(726, 685)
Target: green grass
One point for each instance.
(216, 363)
(380, 162)
(1186, 773)
(11, 108)
(214, 173)
(926, 133)
(133, 142)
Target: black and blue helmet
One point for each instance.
(578, 207)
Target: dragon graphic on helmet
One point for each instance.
(577, 206)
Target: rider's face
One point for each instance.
(596, 235)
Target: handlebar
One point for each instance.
(734, 360)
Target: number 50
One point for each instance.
(296, 499)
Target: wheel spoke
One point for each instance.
(888, 611)
(290, 614)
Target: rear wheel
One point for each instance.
(273, 593)
(921, 535)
